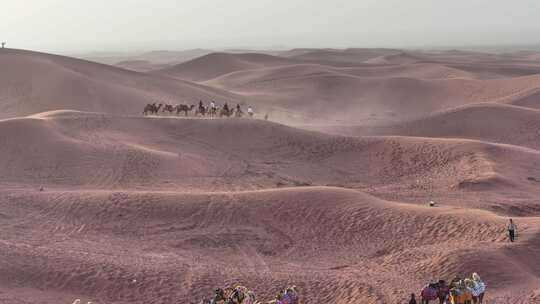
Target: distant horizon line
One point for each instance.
(464, 47)
(494, 48)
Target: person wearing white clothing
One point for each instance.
(479, 289)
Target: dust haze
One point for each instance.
(129, 25)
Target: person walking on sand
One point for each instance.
(512, 230)
(250, 111)
(413, 299)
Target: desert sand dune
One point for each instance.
(75, 149)
(140, 65)
(280, 86)
(358, 94)
(419, 70)
(35, 82)
(490, 122)
(217, 64)
(155, 59)
(530, 99)
(340, 57)
(325, 238)
(500, 70)
(100, 203)
(400, 58)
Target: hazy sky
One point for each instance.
(126, 25)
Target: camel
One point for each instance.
(202, 110)
(168, 108)
(156, 109)
(226, 112)
(151, 108)
(148, 109)
(184, 108)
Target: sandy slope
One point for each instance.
(217, 64)
(340, 57)
(334, 244)
(140, 65)
(358, 94)
(95, 150)
(154, 59)
(164, 209)
(34, 82)
(491, 122)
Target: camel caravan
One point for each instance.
(458, 291)
(211, 110)
(242, 295)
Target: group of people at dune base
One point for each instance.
(211, 110)
(242, 295)
(459, 291)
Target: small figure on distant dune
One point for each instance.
(413, 299)
(201, 109)
(512, 230)
(168, 108)
(432, 204)
(151, 108)
(3, 44)
(77, 301)
(250, 111)
(148, 109)
(266, 116)
(239, 111)
(41, 189)
(226, 111)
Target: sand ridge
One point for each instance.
(101, 203)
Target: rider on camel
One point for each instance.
(226, 108)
